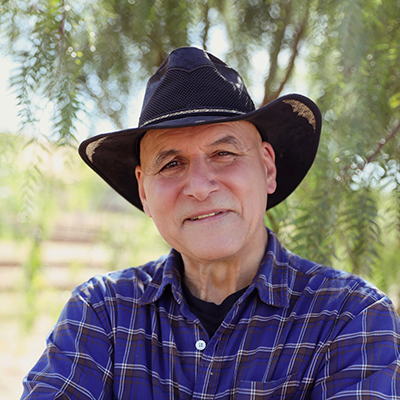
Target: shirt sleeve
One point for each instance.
(77, 363)
(363, 361)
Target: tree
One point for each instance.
(90, 55)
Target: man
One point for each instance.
(229, 313)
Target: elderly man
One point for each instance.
(229, 313)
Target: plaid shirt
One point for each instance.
(300, 331)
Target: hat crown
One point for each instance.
(191, 81)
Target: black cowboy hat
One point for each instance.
(193, 87)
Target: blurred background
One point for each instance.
(72, 69)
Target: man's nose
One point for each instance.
(201, 180)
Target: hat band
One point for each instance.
(196, 111)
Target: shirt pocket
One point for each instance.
(286, 388)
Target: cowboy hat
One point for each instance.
(193, 87)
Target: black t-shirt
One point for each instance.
(210, 314)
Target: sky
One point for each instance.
(9, 120)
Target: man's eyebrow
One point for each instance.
(163, 155)
(228, 139)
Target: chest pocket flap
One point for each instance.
(289, 387)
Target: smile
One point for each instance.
(204, 216)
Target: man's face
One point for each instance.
(206, 187)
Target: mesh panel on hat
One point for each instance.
(203, 88)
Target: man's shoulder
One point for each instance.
(295, 267)
(130, 282)
(325, 281)
(311, 269)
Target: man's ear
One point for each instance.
(142, 193)
(269, 162)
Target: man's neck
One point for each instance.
(215, 281)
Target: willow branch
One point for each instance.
(61, 31)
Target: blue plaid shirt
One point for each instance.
(300, 331)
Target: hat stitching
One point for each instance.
(199, 110)
(192, 69)
(91, 148)
(302, 110)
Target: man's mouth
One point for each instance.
(204, 216)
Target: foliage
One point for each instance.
(91, 56)
(354, 57)
(41, 184)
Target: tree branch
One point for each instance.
(206, 26)
(99, 104)
(273, 56)
(371, 158)
(294, 53)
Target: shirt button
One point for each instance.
(200, 345)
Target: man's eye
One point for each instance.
(170, 165)
(225, 154)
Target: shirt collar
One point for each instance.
(271, 280)
(167, 274)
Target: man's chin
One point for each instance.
(211, 249)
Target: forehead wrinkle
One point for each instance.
(228, 139)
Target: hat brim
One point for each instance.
(291, 124)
